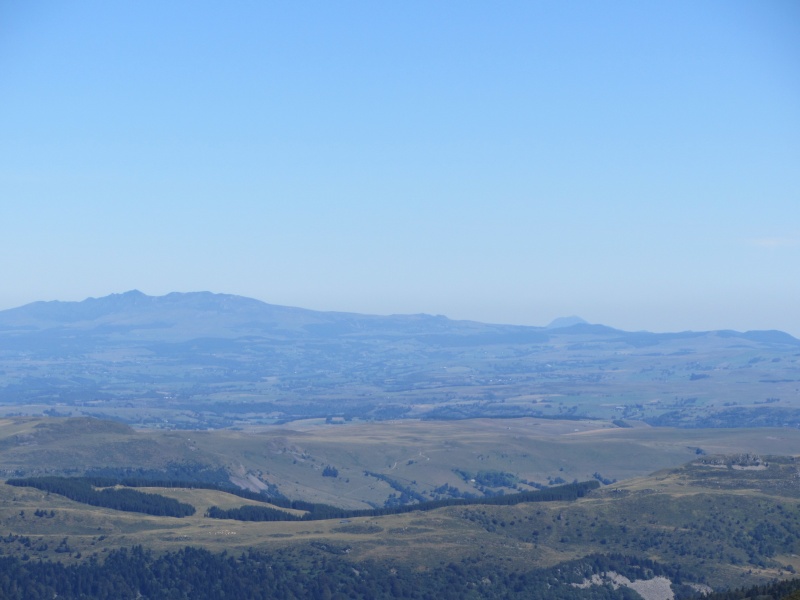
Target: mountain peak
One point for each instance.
(562, 322)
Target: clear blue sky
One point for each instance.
(634, 163)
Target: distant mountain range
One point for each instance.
(198, 314)
(189, 351)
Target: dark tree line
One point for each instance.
(229, 488)
(407, 494)
(782, 590)
(82, 490)
(319, 512)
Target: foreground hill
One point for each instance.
(719, 521)
(201, 360)
(727, 518)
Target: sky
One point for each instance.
(633, 163)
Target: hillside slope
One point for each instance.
(723, 521)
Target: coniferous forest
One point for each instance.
(198, 574)
(308, 573)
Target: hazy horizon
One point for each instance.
(632, 164)
(563, 317)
